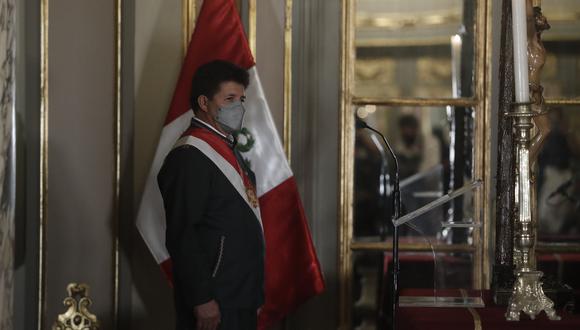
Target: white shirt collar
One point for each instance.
(226, 137)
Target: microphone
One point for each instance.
(396, 191)
(561, 190)
(360, 124)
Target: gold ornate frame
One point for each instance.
(188, 17)
(43, 162)
(481, 104)
(287, 138)
(117, 140)
(252, 23)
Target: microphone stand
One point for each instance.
(396, 214)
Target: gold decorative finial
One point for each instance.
(77, 317)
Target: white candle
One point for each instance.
(520, 50)
(456, 65)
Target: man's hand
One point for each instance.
(207, 315)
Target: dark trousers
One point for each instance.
(232, 319)
(239, 319)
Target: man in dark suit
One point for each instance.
(214, 234)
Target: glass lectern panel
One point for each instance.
(447, 274)
(434, 271)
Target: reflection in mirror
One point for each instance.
(560, 268)
(434, 146)
(414, 48)
(558, 178)
(561, 73)
(368, 280)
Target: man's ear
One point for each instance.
(202, 102)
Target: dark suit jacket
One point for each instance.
(214, 239)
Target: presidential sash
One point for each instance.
(218, 151)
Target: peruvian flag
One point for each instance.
(292, 270)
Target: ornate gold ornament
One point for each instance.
(252, 197)
(77, 317)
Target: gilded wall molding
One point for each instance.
(488, 237)
(288, 79)
(189, 16)
(346, 123)
(573, 101)
(44, 108)
(117, 140)
(481, 150)
(252, 22)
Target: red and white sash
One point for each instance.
(217, 150)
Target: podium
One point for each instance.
(455, 268)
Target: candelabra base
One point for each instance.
(503, 283)
(528, 297)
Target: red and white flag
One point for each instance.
(292, 269)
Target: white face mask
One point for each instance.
(231, 116)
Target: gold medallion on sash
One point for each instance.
(250, 190)
(252, 197)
